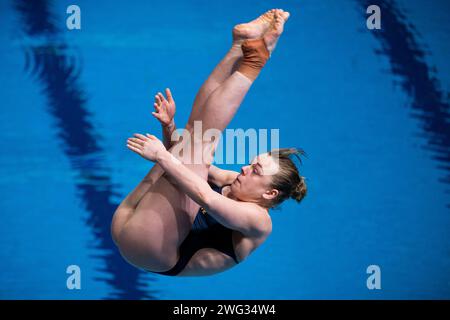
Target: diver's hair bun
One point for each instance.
(299, 192)
(288, 181)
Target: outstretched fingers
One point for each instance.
(158, 108)
(134, 144)
(134, 147)
(161, 97)
(156, 115)
(158, 102)
(169, 95)
(137, 143)
(136, 140)
(158, 111)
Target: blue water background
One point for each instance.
(369, 107)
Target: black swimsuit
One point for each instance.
(206, 232)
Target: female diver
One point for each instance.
(194, 219)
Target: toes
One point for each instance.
(279, 27)
(279, 21)
(283, 14)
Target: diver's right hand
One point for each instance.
(147, 146)
(164, 108)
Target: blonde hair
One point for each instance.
(288, 180)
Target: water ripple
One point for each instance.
(49, 60)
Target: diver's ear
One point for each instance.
(270, 194)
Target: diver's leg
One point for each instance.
(223, 103)
(163, 218)
(252, 30)
(126, 208)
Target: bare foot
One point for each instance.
(254, 29)
(276, 29)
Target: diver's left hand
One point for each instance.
(164, 108)
(147, 146)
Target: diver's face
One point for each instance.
(255, 179)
